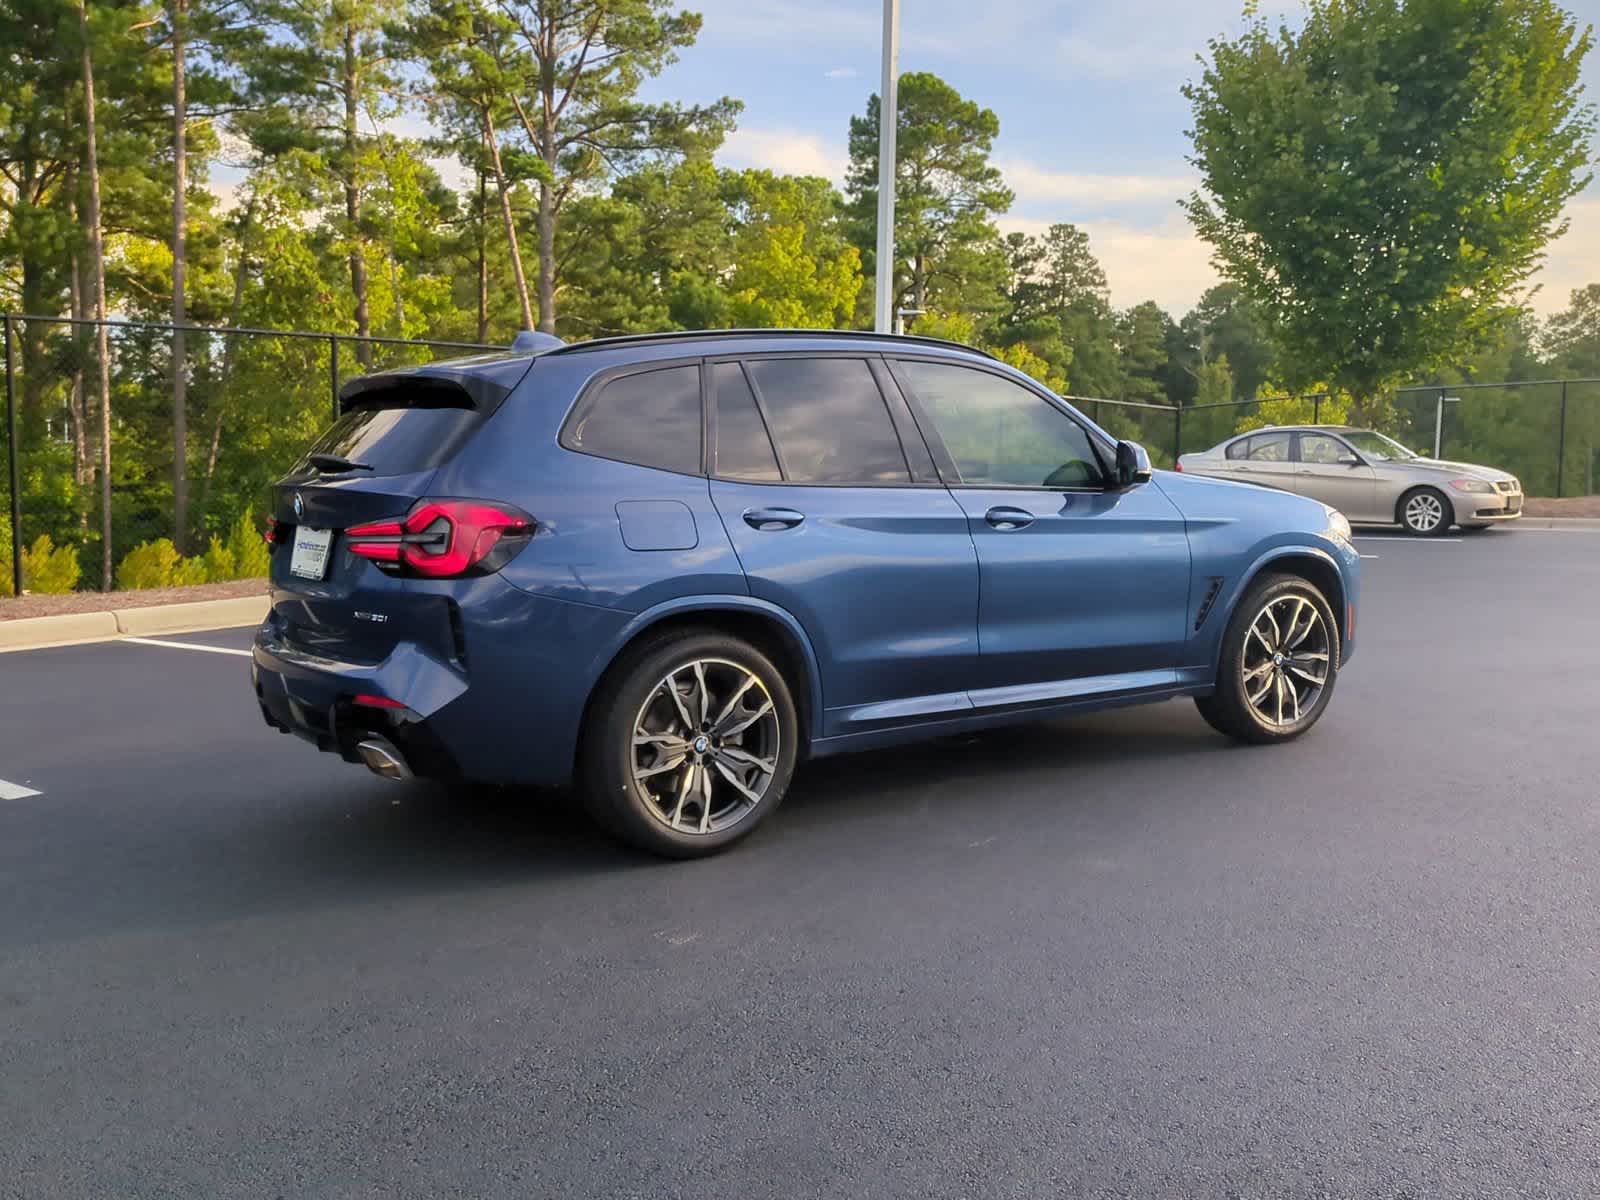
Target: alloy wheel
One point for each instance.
(705, 746)
(1286, 659)
(1423, 512)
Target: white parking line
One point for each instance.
(1436, 541)
(15, 791)
(1370, 556)
(138, 641)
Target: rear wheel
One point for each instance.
(691, 745)
(1425, 512)
(1280, 659)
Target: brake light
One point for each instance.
(442, 539)
(271, 535)
(1177, 464)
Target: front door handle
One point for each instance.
(767, 519)
(1006, 519)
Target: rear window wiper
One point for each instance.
(330, 464)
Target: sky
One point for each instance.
(1087, 91)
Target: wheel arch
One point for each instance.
(1309, 563)
(772, 630)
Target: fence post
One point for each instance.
(1316, 409)
(1561, 445)
(333, 371)
(15, 472)
(1177, 434)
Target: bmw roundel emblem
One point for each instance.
(299, 506)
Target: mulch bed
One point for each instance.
(14, 608)
(1572, 506)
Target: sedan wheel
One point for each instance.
(1425, 512)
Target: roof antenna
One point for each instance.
(532, 341)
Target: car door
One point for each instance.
(1265, 458)
(1327, 469)
(1083, 587)
(838, 516)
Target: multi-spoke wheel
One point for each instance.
(1280, 657)
(692, 745)
(1425, 512)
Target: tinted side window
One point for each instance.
(1269, 447)
(829, 421)
(744, 451)
(1000, 433)
(651, 419)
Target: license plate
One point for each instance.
(310, 557)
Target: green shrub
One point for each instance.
(218, 562)
(251, 558)
(5, 555)
(148, 565)
(189, 571)
(48, 569)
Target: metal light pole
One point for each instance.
(883, 316)
(1438, 420)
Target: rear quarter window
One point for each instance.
(649, 418)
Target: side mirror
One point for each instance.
(1133, 464)
(1350, 460)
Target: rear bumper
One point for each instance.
(313, 697)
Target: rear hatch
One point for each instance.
(373, 464)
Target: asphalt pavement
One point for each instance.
(1108, 956)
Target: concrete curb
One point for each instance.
(70, 629)
(1555, 523)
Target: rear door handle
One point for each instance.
(767, 519)
(1005, 519)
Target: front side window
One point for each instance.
(651, 419)
(829, 421)
(1000, 433)
(1324, 450)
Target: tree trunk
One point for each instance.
(180, 358)
(230, 346)
(547, 257)
(493, 144)
(352, 195)
(82, 466)
(97, 260)
(483, 259)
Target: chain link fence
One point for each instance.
(254, 399)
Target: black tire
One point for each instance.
(632, 694)
(1229, 709)
(1413, 522)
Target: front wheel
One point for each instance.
(691, 745)
(1425, 512)
(1280, 659)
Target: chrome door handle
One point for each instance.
(769, 519)
(1005, 518)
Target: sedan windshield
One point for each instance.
(1375, 445)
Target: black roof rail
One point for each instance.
(703, 335)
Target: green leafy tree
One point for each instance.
(1381, 180)
(948, 254)
(1572, 336)
(1225, 324)
(794, 268)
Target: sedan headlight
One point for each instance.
(1338, 525)
(1472, 485)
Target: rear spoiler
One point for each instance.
(481, 383)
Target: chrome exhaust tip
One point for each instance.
(383, 758)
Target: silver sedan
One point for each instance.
(1365, 475)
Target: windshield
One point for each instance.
(1375, 445)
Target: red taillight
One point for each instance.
(370, 701)
(440, 539)
(1178, 465)
(271, 535)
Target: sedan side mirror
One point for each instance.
(1133, 464)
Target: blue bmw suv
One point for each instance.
(672, 567)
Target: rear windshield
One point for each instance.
(398, 431)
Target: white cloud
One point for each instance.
(1121, 60)
(1573, 261)
(786, 150)
(841, 73)
(1034, 184)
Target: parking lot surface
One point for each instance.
(1115, 955)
